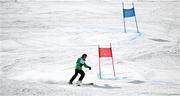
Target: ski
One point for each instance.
(82, 84)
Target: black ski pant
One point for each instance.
(81, 72)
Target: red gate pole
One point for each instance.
(112, 61)
(99, 62)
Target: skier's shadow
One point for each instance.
(136, 82)
(106, 86)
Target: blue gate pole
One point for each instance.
(135, 19)
(124, 18)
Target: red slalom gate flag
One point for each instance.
(105, 52)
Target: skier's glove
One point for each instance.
(89, 68)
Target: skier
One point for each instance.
(79, 63)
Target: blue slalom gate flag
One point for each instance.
(128, 12)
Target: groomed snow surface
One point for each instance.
(40, 41)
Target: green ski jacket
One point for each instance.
(79, 63)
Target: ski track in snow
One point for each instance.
(41, 40)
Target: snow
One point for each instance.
(40, 41)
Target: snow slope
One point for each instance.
(40, 42)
